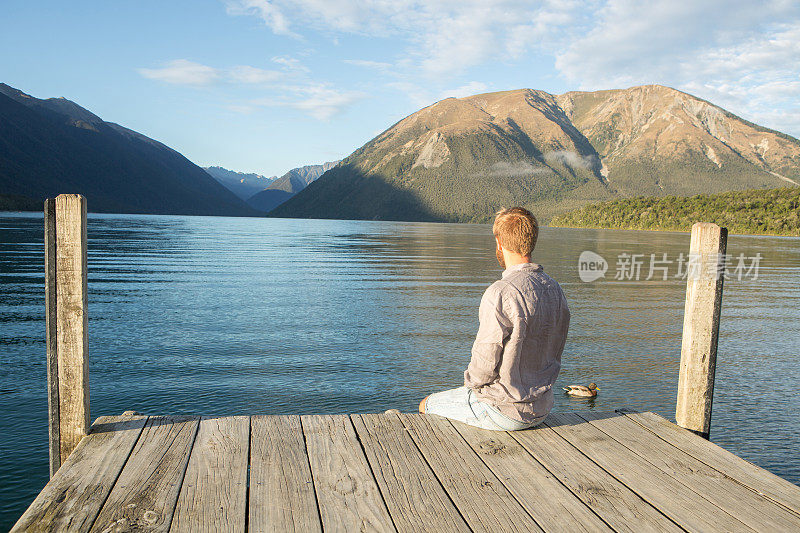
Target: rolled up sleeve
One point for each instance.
(487, 351)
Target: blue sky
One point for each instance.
(267, 85)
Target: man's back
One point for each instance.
(516, 356)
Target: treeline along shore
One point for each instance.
(755, 211)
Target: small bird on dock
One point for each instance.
(582, 390)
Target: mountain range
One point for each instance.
(288, 185)
(242, 184)
(52, 146)
(461, 159)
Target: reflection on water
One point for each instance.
(243, 316)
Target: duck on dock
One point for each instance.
(582, 390)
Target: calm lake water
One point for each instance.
(203, 315)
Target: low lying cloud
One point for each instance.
(182, 72)
(517, 169)
(571, 159)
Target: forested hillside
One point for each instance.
(772, 211)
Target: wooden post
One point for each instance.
(67, 320)
(705, 272)
(50, 335)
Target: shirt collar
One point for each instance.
(533, 267)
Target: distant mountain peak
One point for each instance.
(288, 185)
(460, 159)
(242, 184)
(76, 114)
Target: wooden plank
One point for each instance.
(73, 497)
(551, 504)
(145, 494)
(415, 498)
(51, 339)
(213, 496)
(480, 497)
(281, 488)
(723, 492)
(615, 503)
(676, 500)
(348, 496)
(701, 327)
(754, 477)
(72, 321)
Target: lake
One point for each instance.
(204, 315)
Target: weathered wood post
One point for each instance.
(66, 324)
(705, 273)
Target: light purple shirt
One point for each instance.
(516, 356)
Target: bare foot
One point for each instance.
(422, 404)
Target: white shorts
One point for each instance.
(461, 404)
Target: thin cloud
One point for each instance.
(323, 103)
(248, 74)
(375, 65)
(268, 12)
(571, 159)
(515, 169)
(182, 72)
(319, 101)
(185, 72)
(290, 63)
(442, 38)
(469, 89)
(740, 55)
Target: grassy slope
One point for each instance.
(772, 211)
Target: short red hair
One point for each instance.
(517, 230)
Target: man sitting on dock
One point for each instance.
(516, 356)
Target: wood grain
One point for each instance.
(348, 496)
(51, 337)
(547, 500)
(415, 498)
(144, 496)
(74, 496)
(616, 504)
(723, 492)
(484, 502)
(72, 321)
(282, 494)
(701, 328)
(679, 502)
(754, 477)
(213, 496)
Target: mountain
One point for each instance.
(461, 159)
(239, 183)
(288, 185)
(54, 146)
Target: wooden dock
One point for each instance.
(621, 471)
(406, 472)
